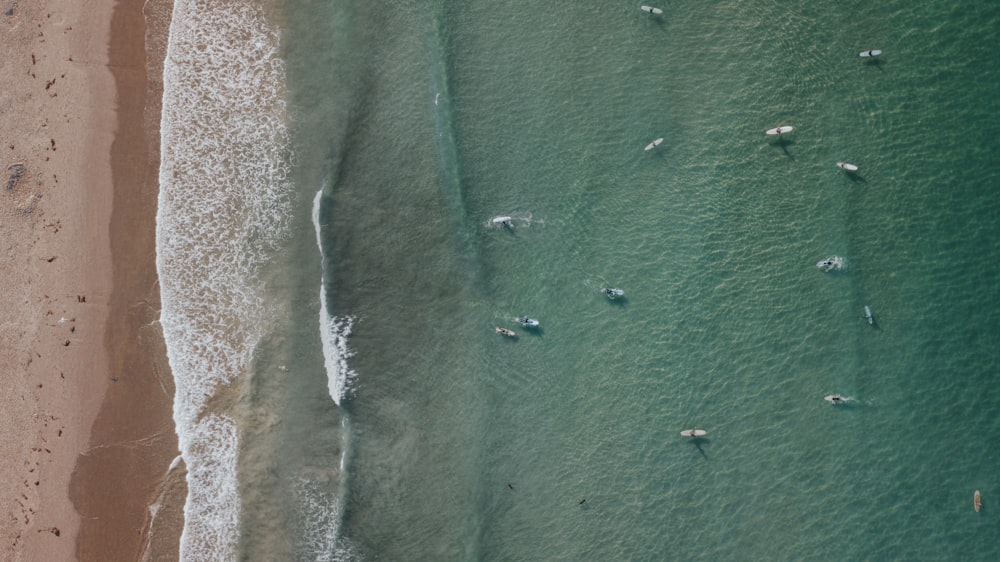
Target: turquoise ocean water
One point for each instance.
(416, 122)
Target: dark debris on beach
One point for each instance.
(16, 172)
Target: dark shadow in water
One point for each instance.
(784, 143)
(620, 302)
(657, 19)
(849, 406)
(876, 62)
(856, 178)
(698, 442)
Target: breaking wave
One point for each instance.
(224, 208)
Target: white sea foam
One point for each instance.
(343, 454)
(319, 521)
(211, 513)
(223, 209)
(334, 331)
(520, 218)
(500, 221)
(317, 202)
(832, 263)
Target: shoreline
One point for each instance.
(88, 404)
(127, 483)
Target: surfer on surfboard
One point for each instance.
(780, 130)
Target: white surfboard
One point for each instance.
(977, 501)
(654, 144)
(835, 399)
(871, 53)
(694, 433)
(846, 166)
(780, 130)
(651, 9)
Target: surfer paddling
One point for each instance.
(780, 130)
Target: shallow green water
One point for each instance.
(425, 119)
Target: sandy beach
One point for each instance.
(87, 451)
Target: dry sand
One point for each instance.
(86, 397)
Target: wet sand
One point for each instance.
(88, 441)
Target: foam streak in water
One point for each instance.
(319, 521)
(223, 210)
(334, 331)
